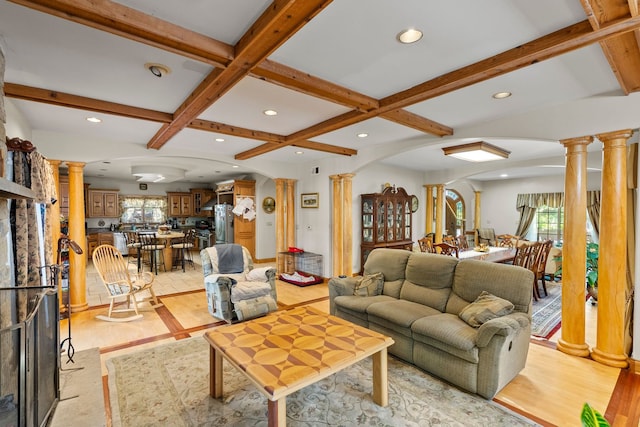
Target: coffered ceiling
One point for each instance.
(331, 70)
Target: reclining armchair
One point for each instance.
(235, 290)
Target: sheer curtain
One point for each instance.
(593, 211)
(527, 204)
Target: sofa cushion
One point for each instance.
(448, 333)
(390, 262)
(369, 285)
(509, 282)
(429, 278)
(486, 307)
(398, 314)
(360, 304)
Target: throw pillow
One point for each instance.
(369, 285)
(486, 307)
(258, 274)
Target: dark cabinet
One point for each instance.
(386, 221)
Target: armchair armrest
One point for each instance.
(505, 326)
(342, 285)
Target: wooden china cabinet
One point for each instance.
(386, 221)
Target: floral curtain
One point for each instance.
(527, 204)
(593, 211)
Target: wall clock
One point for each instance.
(269, 204)
(414, 203)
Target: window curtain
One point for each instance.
(527, 204)
(632, 185)
(593, 211)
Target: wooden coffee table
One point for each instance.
(286, 351)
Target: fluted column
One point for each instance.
(291, 212)
(439, 211)
(428, 222)
(612, 263)
(347, 219)
(55, 217)
(77, 263)
(574, 245)
(476, 215)
(280, 212)
(337, 230)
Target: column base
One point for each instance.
(79, 307)
(580, 350)
(609, 359)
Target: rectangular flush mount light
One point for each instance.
(477, 152)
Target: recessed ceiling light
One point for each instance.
(94, 120)
(501, 95)
(363, 135)
(157, 70)
(503, 175)
(299, 152)
(219, 139)
(270, 112)
(235, 166)
(410, 35)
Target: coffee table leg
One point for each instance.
(277, 412)
(380, 385)
(215, 373)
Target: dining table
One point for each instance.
(491, 254)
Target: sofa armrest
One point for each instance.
(339, 286)
(505, 326)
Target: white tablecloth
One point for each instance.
(471, 253)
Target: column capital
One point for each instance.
(336, 177)
(347, 176)
(618, 134)
(54, 163)
(579, 141)
(78, 165)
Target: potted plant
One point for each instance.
(592, 418)
(591, 275)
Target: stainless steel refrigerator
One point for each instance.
(224, 223)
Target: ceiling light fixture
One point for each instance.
(501, 95)
(410, 35)
(149, 173)
(235, 166)
(363, 135)
(157, 70)
(298, 152)
(270, 112)
(219, 139)
(94, 120)
(477, 152)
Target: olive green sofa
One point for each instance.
(418, 304)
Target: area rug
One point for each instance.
(169, 385)
(547, 312)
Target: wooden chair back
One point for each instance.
(446, 249)
(426, 245)
(462, 242)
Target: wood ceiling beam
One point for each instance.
(275, 26)
(209, 126)
(132, 24)
(621, 51)
(290, 78)
(83, 103)
(417, 122)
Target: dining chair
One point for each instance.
(426, 245)
(507, 240)
(461, 242)
(121, 283)
(153, 249)
(450, 240)
(527, 256)
(446, 249)
(541, 266)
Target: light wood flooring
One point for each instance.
(550, 390)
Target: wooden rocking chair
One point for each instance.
(122, 283)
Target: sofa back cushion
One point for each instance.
(509, 282)
(428, 280)
(392, 263)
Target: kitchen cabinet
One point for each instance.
(102, 203)
(96, 239)
(386, 221)
(200, 197)
(180, 204)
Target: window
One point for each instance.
(143, 210)
(550, 222)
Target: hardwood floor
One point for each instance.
(550, 390)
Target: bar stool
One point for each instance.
(133, 248)
(154, 249)
(182, 249)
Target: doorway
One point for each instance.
(454, 213)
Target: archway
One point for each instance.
(454, 213)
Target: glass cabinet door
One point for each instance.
(380, 234)
(367, 220)
(407, 221)
(390, 219)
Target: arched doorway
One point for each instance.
(454, 213)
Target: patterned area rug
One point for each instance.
(547, 312)
(169, 385)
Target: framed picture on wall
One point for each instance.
(309, 200)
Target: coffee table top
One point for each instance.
(288, 350)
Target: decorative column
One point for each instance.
(476, 215)
(612, 263)
(77, 263)
(574, 257)
(55, 218)
(337, 229)
(291, 212)
(439, 210)
(428, 226)
(347, 219)
(280, 221)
